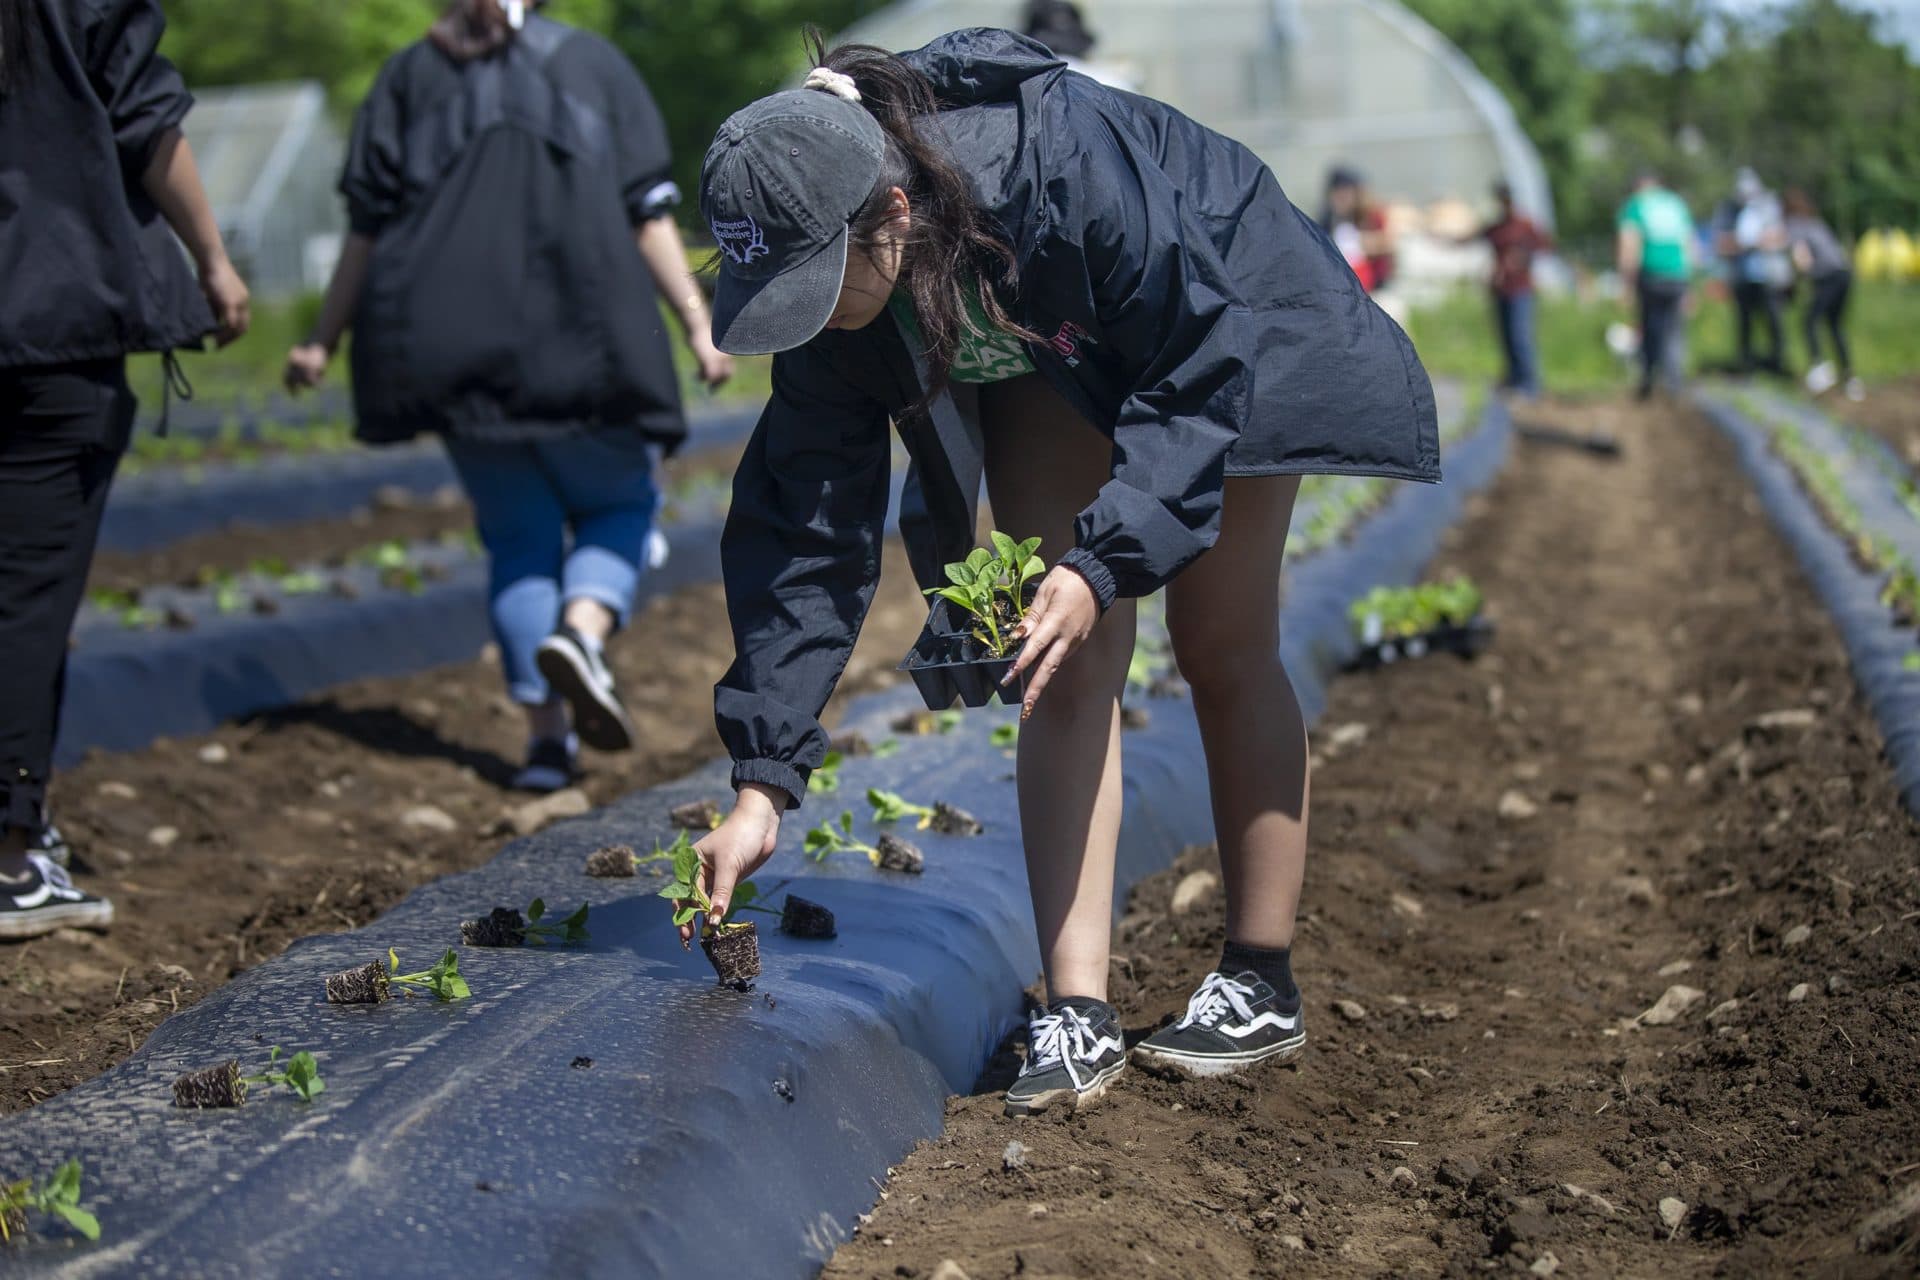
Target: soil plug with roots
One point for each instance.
(615, 861)
(57, 1197)
(732, 947)
(891, 853)
(372, 983)
(948, 820)
(368, 984)
(505, 927)
(696, 815)
(800, 918)
(224, 1086)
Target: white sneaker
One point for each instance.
(1821, 377)
(1856, 390)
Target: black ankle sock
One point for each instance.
(1275, 967)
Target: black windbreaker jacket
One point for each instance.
(1194, 315)
(88, 266)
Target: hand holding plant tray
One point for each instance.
(732, 946)
(968, 644)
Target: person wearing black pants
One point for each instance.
(1820, 257)
(91, 151)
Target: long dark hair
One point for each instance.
(952, 251)
(15, 32)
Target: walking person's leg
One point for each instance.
(1503, 322)
(62, 432)
(522, 524)
(1526, 352)
(1658, 308)
(1746, 304)
(1044, 463)
(1773, 304)
(606, 484)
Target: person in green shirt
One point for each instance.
(1654, 251)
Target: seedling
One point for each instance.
(57, 1197)
(1005, 736)
(372, 983)
(224, 1086)
(1403, 612)
(732, 946)
(991, 587)
(889, 852)
(885, 747)
(946, 721)
(124, 604)
(826, 778)
(890, 806)
(505, 927)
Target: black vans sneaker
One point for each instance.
(551, 766)
(575, 670)
(1072, 1051)
(44, 900)
(1229, 1024)
(53, 846)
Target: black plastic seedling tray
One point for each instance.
(1468, 641)
(942, 672)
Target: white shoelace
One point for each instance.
(1058, 1039)
(54, 874)
(1217, 995)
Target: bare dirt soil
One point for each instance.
(1660, 783)
(1891, 411)
(220, 850)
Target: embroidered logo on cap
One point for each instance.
(741, 240)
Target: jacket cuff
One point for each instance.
(772, 773)
(1088, 566)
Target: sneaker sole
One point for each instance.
(1203, 1066)
(1072, 1099)
(66, 915)
(601, 722)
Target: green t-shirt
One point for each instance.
(988, 356)
(1666, 229)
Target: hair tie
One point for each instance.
(833, 82)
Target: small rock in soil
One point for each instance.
(696, 815)
(1639, 891)
(1402, 1178)
(900, 855)
(1673, 1212)
(426, 817)
(1544, 1265)
(1421, 1077)
(1796, 936)
(948, 1270)
(1894, 1227)
(1296, 1243)
(532, 816)
(1135, 718)
(1789, 718)
(1457, 1171)
(1591, 1199)
(1439, 1012)
(163, 837)
(1677, 1001)
(1014, 1157)
(117, 791)
(214, 1087)
(1516, 807)
(1194, 888)
(1342, 736)
(215, 753)
(1351, 1010)
(949, 820)
(1725, 1009)
(1675, 968)
(1799, 992)
(1837, 985)
(501, 927)
(1523, 1226)
(1403, 905)
(612, 862)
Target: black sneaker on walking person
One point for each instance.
(1229, 1024)
(53, 846)
(1073, 1049)
(551, 766)
(44, 900)
(575, 670)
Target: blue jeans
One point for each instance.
(527, 495)
(1516, 337)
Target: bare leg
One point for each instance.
(590, 618)
(1223, 613)
(1044, 464)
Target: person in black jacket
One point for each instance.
(1155, 344)
(501, 173)
(93, 172)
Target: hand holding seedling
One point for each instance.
(731, 852)
(1062, 616)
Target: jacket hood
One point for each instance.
(981, 64)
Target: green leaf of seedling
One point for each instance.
(1005, 549)
(1004, 735)
(1026, 550)
(883, 749)
(957, 595)
(303, 1076)
(977, 561)
(826, 778)
(745, 894)
(946, 721)
(77, 1218)
(686, 861)
(393, 961)
(846, 822)
(685, 915)
(536, 909)
(64, 1186)
(273, 1055)
(1911, 662)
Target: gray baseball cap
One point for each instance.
(781, 180)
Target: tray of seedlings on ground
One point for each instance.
(374, 982)
(222, 1085)
(939, 817)
(505, 927)
(888, 852)
(1396, 623)
(968, 646)
(732, 946)
(57, 1197)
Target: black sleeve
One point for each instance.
(800, 557)
(1162, 299)
(143, 93)
(373, 178)
(640, 146)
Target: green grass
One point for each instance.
(1456, 337)
(249, 370)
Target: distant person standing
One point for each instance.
(1653, 250)
(1752, 237)
(93, 172)
(1358, 228)
(1820, 257)
(1059, 25)
(510, 203)
(1516, 240)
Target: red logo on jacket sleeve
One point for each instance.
(1066, 343)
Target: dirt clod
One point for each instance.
(427, 817)
(1014, 1157)
(369, 984)
(1673, 1212)
(217, 1086)
(1194, 888)
(1675, 1003)
(611, 862)
(1351, 1010)
(1457, 1171)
